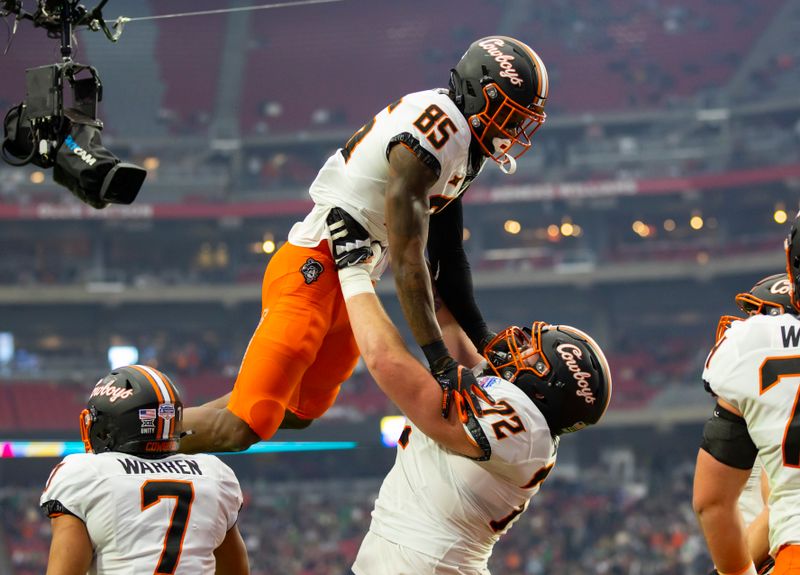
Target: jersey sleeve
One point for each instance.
(231, 494)
(423, 126)
(71, 488)
(721, 374)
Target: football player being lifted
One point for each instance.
(465, 473)
(131, 503)
(754, 371)
(398, 182)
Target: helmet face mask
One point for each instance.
(792, 247)
(508, 122)
(524, 352)
(134, 409)
(560, 368)
(501, 86)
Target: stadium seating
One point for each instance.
(583, 522)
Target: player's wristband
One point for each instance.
(435, 352)
(749, 570)
(355, 280)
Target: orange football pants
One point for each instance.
(303, 348)
(788, 561)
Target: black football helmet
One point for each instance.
(561, 369)
(769, 296)
(501, 86)
(792, 246)
(134, 409)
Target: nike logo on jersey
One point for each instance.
(790, 335)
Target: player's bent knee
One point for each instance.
(232, 433)
(252, 421)
(292, 421)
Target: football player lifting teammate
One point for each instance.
(460, 481)
(394, 189)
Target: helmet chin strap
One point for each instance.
(508, 164)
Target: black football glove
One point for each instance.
(351, 242)
(459, 388)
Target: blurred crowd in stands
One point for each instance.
(582, 521)
(604, 58)
(205, 370)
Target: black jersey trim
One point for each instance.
(476, 431)
(54, 508)
(422, 154)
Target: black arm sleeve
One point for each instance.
(726, 439)
(450, 269)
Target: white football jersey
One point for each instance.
(750, 501)
(147, 515)
(453, 509)
(354, 178)
(756, 368)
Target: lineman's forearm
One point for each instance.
(758, 537)
(725, 535)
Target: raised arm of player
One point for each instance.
(717, 487)
(402, 378)
(452, 274)
(407, 228)
(70, 548)
(454, 337)
(231, 554)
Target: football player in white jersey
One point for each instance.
(397, 181)
(754, 371)
(769, 296)
(132, 504)
(459, 482)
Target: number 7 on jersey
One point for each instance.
(772, 371)
(153, 491)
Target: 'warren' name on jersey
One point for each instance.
(129, 504)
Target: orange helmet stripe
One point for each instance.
(164, 392)
(541, 74)
(152, 381)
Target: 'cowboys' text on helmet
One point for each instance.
(501, 87)
(560, 368)
(134, 409)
